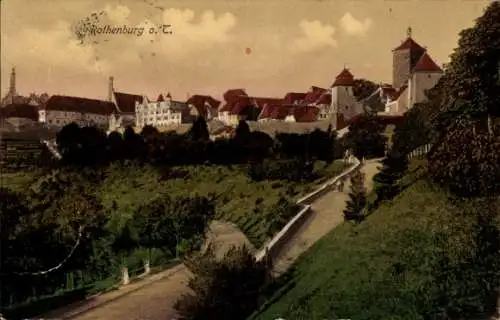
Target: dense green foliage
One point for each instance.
(357, 198)
(226, 289)
(386, 181)
(365, 138)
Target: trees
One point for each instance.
(365, 138)
(414, 131)
(165, 222)
(199, 130)
(357, 198)
(386, 181)
(473, 73)
(227, 289)
(469, 171)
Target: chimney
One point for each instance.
(110, 89)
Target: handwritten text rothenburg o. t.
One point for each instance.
(126, 30)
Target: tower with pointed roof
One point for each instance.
(404, 59)
(343, 101)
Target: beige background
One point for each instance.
(294, 43)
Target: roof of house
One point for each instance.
(426, 64)
(160, 98)
(313, 95)
(82, 105)
(201, 102)
(261, 102)
(344, 78)
(305, 113)
(126, 102)
(398, 93)
(26, 111)
(294, 97)
(410, 44)
(325, 98)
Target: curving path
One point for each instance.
(327, 213)
(152, 298)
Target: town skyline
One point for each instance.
(268, 49)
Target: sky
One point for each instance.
(267, 47)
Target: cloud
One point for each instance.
(354, 27)
(315, 36)
(117, 14)
(55, 47)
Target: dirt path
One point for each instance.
(327, 214)
(155, 300)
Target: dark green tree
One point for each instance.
(386, 181)
(199, 130)
(365, 138)
(227, 289)
(472, 75)
(357, 198)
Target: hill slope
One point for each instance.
(389, 267)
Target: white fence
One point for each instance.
(420, 151)
(281, 237)
(52, 146)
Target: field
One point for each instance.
(238, 199)
(377, 270)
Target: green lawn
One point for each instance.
(239, 200)
(380, 269)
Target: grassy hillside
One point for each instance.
(239, 199)
(385, 268)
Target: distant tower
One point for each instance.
(404, 59)
(343, 102)
(12, 88)
(110, 89)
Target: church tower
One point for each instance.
(404, 59)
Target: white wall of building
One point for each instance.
(62, 118)
(419, 83)
(159, 113)
(229, 119)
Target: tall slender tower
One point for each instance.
(110, 89)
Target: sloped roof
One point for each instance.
(344, 78)
(305, 113)
(25, 111)
(325, 98)
(410, 44)
(126, 102)
(200, 102)
(426, 64)
(261, 102)
(160, 98)
(82, 105)
(294, 97)
(313, 95)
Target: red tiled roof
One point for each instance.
(305, 113)
(266, 112)
(425, 63)
(200, 103)
(160, 98)
(344, 78)
(126, 102)
(294, 97)
(26, 111)
(77, 104)
(279, 112)
(231, 96)
(325, 98)
(313, 95)
(261, 102)
(409, 43)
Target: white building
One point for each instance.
(162, 112)
(60, 110)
